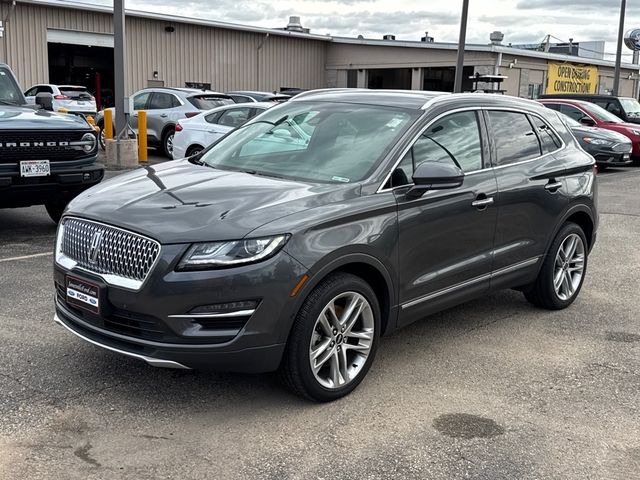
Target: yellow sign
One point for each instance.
(566, 78)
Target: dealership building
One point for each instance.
(62, 42)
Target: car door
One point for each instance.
(140, 102)
(530, 172)
(446, 236)
(158, 114)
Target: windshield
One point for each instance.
(74, 92)
(600, 113)
(316, 142)
(9, 90)
(204, 102)
(631, 106)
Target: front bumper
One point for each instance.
(67, 180)
(154, 323)
(612, 159)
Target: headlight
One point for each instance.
(88, 143)
(597, 141)
(634, 131)
(202, 256)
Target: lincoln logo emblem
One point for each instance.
(96, 239)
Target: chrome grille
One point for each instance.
(118, 252)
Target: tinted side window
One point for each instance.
(161, 101)
(454, 139)
(31, 92)
(553, 106)
(548, 139)
(45, 89)
(234, 117)
(140, 101)
(515, 139)
(213, 117)
(572, 112)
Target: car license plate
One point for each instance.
(35, 168)
(83, 294)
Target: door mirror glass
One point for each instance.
(587, 121)
(435, 176)
(45, 100)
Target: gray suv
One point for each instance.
(298, 239)
(164, 107)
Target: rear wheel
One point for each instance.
(333, 340)
(101, 137)
(196, 149)
(563, 271)
(167, 143)
(55, 209)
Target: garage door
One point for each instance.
(88, 39)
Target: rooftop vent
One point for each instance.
(389, 37)
(294, 25)
(496, 38)
(427, 38)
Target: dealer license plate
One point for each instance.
(83, 294)
(35, 168)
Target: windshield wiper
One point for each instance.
(9, 102)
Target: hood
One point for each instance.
(600, 133)
(26, 118)
(179, 202)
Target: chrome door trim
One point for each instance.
(473, 281)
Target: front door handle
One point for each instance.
(164, 115)
(482, 203)
(553, 186)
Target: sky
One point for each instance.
(522, 21)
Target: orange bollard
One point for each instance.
(108, 124)
(142, 136)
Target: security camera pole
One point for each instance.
(616, 77)
(457, 85)
(119, 59)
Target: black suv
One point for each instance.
(296, 241)
(45, 157)
(625, 108)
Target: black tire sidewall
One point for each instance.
(166, 151)
(548, 269)
(55, 210)
(311, 309)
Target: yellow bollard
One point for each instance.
(90, 120)
(63, 110)
(108, 124)
(142, 136)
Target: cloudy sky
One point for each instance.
(522, 21)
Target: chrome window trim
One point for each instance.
(114, 280)
(503, 271)
(473, 172)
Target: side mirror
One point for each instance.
(435, 176)
(588, 121)
(45, 100)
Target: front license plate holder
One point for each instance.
(35, 168)
(83, 294)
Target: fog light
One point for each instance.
(225, 307)
(86, 176)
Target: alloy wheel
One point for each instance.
(342, 339)
(169, 143)
(569, 267)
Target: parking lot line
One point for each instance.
(24, 257)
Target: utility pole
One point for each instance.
(119, 62)
(457, 85)
(616, 78)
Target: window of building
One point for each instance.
(515, 139)
(352, 78)
(535, 90)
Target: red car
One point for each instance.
(592, 115)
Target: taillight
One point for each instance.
(191, 114)
(178, 127)
(61, 97)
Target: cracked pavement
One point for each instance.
(494, 389)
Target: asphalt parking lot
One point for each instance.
(494, 389)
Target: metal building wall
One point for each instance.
(228, 59)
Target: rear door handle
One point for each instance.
(553, 186)
(482, 203)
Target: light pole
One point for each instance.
(616, 78)
(457, 84)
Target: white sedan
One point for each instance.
(72, 98)
(196, 133)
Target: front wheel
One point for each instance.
(563, 271)
(333, 340)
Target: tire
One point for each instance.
(55, 209)
(309, 333)
(543, 293)
(167, 143)
(194, 150)
(101, 139)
